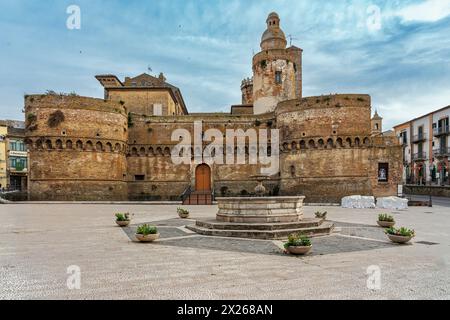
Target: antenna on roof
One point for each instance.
(290, 39)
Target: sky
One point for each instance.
(396, 51)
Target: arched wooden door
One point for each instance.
(203, 178)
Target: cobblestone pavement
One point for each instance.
(38, 242)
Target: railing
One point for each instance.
(419, 156)
(419, 138)
(440, 131)
(186, 193)
(441, 152)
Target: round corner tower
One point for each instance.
(277, 70)
(77, 148)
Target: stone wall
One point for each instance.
(142, 101)
(435, 191)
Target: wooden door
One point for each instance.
(203, 178)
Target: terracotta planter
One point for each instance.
(299, 250)
(386, 224)
(183, 215)
(399, 239)
(123, 223)
(147, 238)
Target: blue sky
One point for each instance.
(205, 48)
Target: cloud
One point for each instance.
(206, 47)
(427, 11)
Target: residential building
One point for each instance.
(426, 148)
(13, 155)
(3, 133)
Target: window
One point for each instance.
(383, 172)
(157, 110)
(139, 177)
(278, 77)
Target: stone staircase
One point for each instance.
(267, 231)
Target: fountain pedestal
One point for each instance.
(260, 209)
(261, 218)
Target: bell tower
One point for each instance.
(277, 70)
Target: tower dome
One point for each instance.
(273, 37)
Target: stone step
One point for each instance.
(251, 218)
(325, 229)
(214, 224)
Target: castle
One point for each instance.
(119, 147)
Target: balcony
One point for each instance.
(442, 131)
(419, 156)
(441, 152)
(419, 138)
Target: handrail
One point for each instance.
(186, 193)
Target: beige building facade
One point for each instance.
(426, 148)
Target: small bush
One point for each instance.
(297, 240)
(55, 119)
(182, 211)
(385, 217)
(404, 232)
(122, 217)
(130, 120)
(321, 215)
(146, 229)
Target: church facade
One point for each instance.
(120, 147)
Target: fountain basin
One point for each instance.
(260, 209)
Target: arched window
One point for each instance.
(108, 147)
(59, 144)
(311, 144)
(142, 152)
(321, 143)
(48, 144)
(134, 151)
(366, 141)
(357, 142)
(89, 146)
(294, 145)
(79, 145)
(69, 144)
(99, 146)
(302, 145)
(330, 143)
(117, 147)
(292, 170)
(151, 153)
(348, 141)
(339, 142)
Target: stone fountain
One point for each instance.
(261, 217)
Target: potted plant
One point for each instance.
(147, 233)
(298, 244)
(385, 221)
(183, 213)
(321, 215)
(123, 219)
(402, 235)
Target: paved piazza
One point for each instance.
(40, 241)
